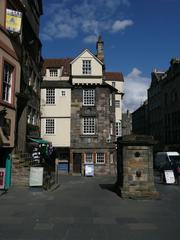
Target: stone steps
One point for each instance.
(20, 169)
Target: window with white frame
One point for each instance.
(63, 93)
(110, 99)
(118, 129)
(7, 82)
(117, 104)
(53, 72)
(50, 95)
(50, 126)
(114, 84)
(88, 97)
(86, 66)
(88, 158)
(88, 126)
(100, 158)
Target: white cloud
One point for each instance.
(90, 39)
(119, 25)
(70, 18)
(135, 89)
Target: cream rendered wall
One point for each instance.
(61, 138)
(61, 112)
(62, 106)
(96, 68)
(118, 110)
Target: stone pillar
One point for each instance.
(135, 167)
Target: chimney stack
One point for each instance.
(100, 49)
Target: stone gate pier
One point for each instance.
(135, 167)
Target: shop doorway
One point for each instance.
(77, 158)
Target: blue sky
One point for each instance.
(138, 35)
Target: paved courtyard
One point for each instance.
(87, 208)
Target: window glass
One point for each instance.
(89, 97)
(53, 72)
(86, 67)
(89, 126)
(7, 82)
(50, 96)
(88, 158)
(100, 158)
(50, 127)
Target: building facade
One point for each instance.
(20, 57)
(163, 108)
(78, 112)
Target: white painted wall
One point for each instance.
(62, 106)
(61, 138)
(96, 68)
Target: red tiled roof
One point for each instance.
(58, 63)
(114, 76)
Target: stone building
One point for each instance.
(20, 57)
(140, 119)
(78, 111)
(126, 123)
(164, 108)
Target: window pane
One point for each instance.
(86, 67)
(117, 103)
(53, 72)
(50, 96)
(50, 126)
(89, 126)
(89, 97)
(89, 158)
(7, 81)
(118, 129)
(100, 158)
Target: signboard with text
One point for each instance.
(169, 176)
(36, 176)
(13, 20)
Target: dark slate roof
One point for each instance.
(56, 84)
(114, 76)
(58, 63)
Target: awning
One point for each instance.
(39, 140)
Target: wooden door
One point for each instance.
(77, 162)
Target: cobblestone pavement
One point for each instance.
(87, 208)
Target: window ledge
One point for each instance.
(89, 136)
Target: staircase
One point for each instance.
(20, 169)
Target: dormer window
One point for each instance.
(86, 66)
(53, 72)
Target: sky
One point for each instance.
(139, 36)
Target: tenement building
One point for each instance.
(79, 113)
(20, 68)
(164, 107)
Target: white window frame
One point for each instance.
(89, 126)
(8, 71)
(50, 96)
(53, 72)
(117, 103)
(88, 157)
(110, 99)
(63, 93)
(100, 158)
(49, 126)
(89, 97)
(86, 67)
(113, 84)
